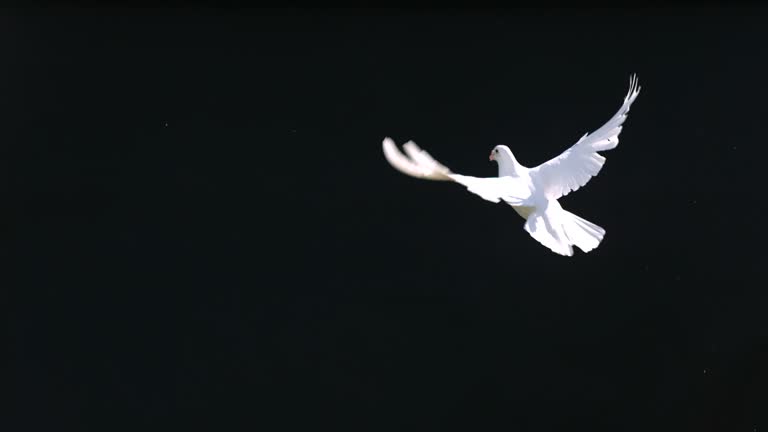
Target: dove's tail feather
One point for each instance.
(559, 230)
(582, 233)
(547, 227)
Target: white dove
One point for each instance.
(533, 192)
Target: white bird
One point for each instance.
(533, 192)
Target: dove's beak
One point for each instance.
(490, 157)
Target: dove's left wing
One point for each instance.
(418, 163)
(577, 165)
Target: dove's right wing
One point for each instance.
(418, 163)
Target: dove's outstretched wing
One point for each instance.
(576, 166)
(418, 163)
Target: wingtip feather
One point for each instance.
(416, 164)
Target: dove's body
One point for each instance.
(546, 220)
(524, 211)
(509, 167)
(533, 192)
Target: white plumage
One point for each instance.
(533, 192)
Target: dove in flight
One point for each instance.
(533, 192)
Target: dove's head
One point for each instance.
(500, 153)
(503, 156)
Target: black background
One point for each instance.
(205, 232)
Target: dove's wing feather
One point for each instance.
(496, 189)
(576, 166)
(418, 163)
